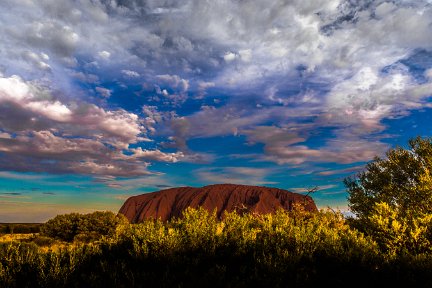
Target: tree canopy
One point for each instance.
(402, 180)
(392, 199)
(83, 227)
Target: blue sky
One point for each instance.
(100, 100)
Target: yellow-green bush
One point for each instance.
(396, 233)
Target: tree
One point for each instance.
(63, 227)
(392, 199)
(97, 224)
(83, 227)
(403, 180)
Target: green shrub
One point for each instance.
(392, 199)
(82, 227)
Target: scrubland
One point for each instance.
(286, 249)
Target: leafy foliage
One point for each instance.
(296, 249)
(82, 227)
(398, 234)
(392, 199)
(403, 180)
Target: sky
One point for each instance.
(104, 99)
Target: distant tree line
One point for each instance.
(19, 228)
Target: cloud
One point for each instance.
(174, 81)
(104, 92)
(229, 56)
(130, 73)
(20, 176)
(5, 135)
(77, 137)
(287, 145)
(234, 175)
(341, 171)
(147, 183)
(12, 193)
(306, 190)
(104, 54)
(30, 106)
(280, 73)
(37, 60)
(48, 193)
(122, 197)
(203, 86)
(156, 155)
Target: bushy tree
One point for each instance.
(94, 225)
(63, 227)
(392, 198)
(83, 227)
(403, 180)
(396, 234)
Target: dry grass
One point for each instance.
(16, 237)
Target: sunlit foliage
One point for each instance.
(300, 248)
(403, 180)
(392, 199)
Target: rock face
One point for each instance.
(169, 203)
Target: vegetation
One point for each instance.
(86, 227)
(403, 180)
(392, 199)
(387, 244)
(20, 228)
(295, 249)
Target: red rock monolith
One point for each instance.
(170, 203)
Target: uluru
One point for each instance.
(170, 203)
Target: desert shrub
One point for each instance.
(82, 227)
(197, 229)
(399, 234)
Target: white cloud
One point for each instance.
(246, 55)
(52, 110)
(104, 54)
(229, 56)
(61, 137)
(174, 81)
(130, 73)
(37, 60)
(5, 135)
(156, 155)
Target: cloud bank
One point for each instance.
(110, 87)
